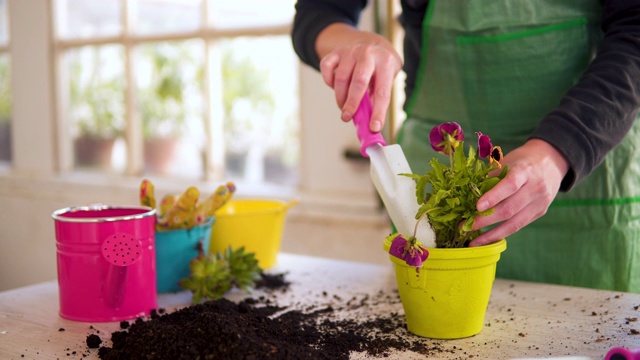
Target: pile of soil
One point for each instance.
(257, 329)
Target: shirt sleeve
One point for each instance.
(596, 114)
(312, 16)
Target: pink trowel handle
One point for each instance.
(361, 121)
(620, 353)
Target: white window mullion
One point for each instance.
(214, 110)
(214, 166)
(133, 134)
(61, 94)
(32, 85)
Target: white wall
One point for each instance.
(337, 214)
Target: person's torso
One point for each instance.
(499, 66)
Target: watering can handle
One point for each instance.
(361, 121)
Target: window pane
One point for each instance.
(260, 105)
(5, 108)
(168, 77)
(166, 16)
(88, 18)
(250, 13)
(4, 23)
(96, 111)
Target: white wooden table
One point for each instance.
(524, 320)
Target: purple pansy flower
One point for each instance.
(496, 156)
(445, 137)
(397, 246)
(410, 251)
(484, 145)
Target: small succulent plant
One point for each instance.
(213, 275)
(243, 267)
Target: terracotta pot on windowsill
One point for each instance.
(159, 153)
(93, 151)
(5, 140)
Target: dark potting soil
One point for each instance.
(257, 329)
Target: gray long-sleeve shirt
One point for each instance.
(591, 119)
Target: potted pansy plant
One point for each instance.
(445, 290)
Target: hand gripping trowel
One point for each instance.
(398, 192)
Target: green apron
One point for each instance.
(498, 66)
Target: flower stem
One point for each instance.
(415, 229)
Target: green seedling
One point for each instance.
(213, 275)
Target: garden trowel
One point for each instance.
(398, 192)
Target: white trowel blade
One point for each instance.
(398, 192)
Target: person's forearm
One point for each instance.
(596, 114)
(313, 16)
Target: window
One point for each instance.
(5, 86)
(194, 89)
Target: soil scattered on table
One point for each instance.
(257, 329)
(93, 341)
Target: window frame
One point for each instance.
(129, 40)
(330, 185)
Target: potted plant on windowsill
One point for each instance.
(162, 122)
(96, 106)
(162, 106)
(98, 111)
(445, 290)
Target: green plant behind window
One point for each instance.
(96, 93)
(162, 104)
(246, 94)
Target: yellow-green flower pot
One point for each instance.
(448, 297)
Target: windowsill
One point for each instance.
(82, 188)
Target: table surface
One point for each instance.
(524, 320)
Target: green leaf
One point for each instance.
(468, 224)
(486, 212)
(437, 170)
(413, 176)
(503, 173)
(453, 202)
(488, 184)
(462, 181)
(471, 158)
(243, 267)
(446, 217)
(459, 160)
(441, 194)
(421, 189)
(425, 208)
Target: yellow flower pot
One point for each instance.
(255, 224)
(448, 298)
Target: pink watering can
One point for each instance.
(106, 262)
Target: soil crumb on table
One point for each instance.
(256, 329)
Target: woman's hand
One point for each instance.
(536, 170)
(354, 61)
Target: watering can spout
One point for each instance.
(120, 251)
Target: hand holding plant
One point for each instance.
(448, 194)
